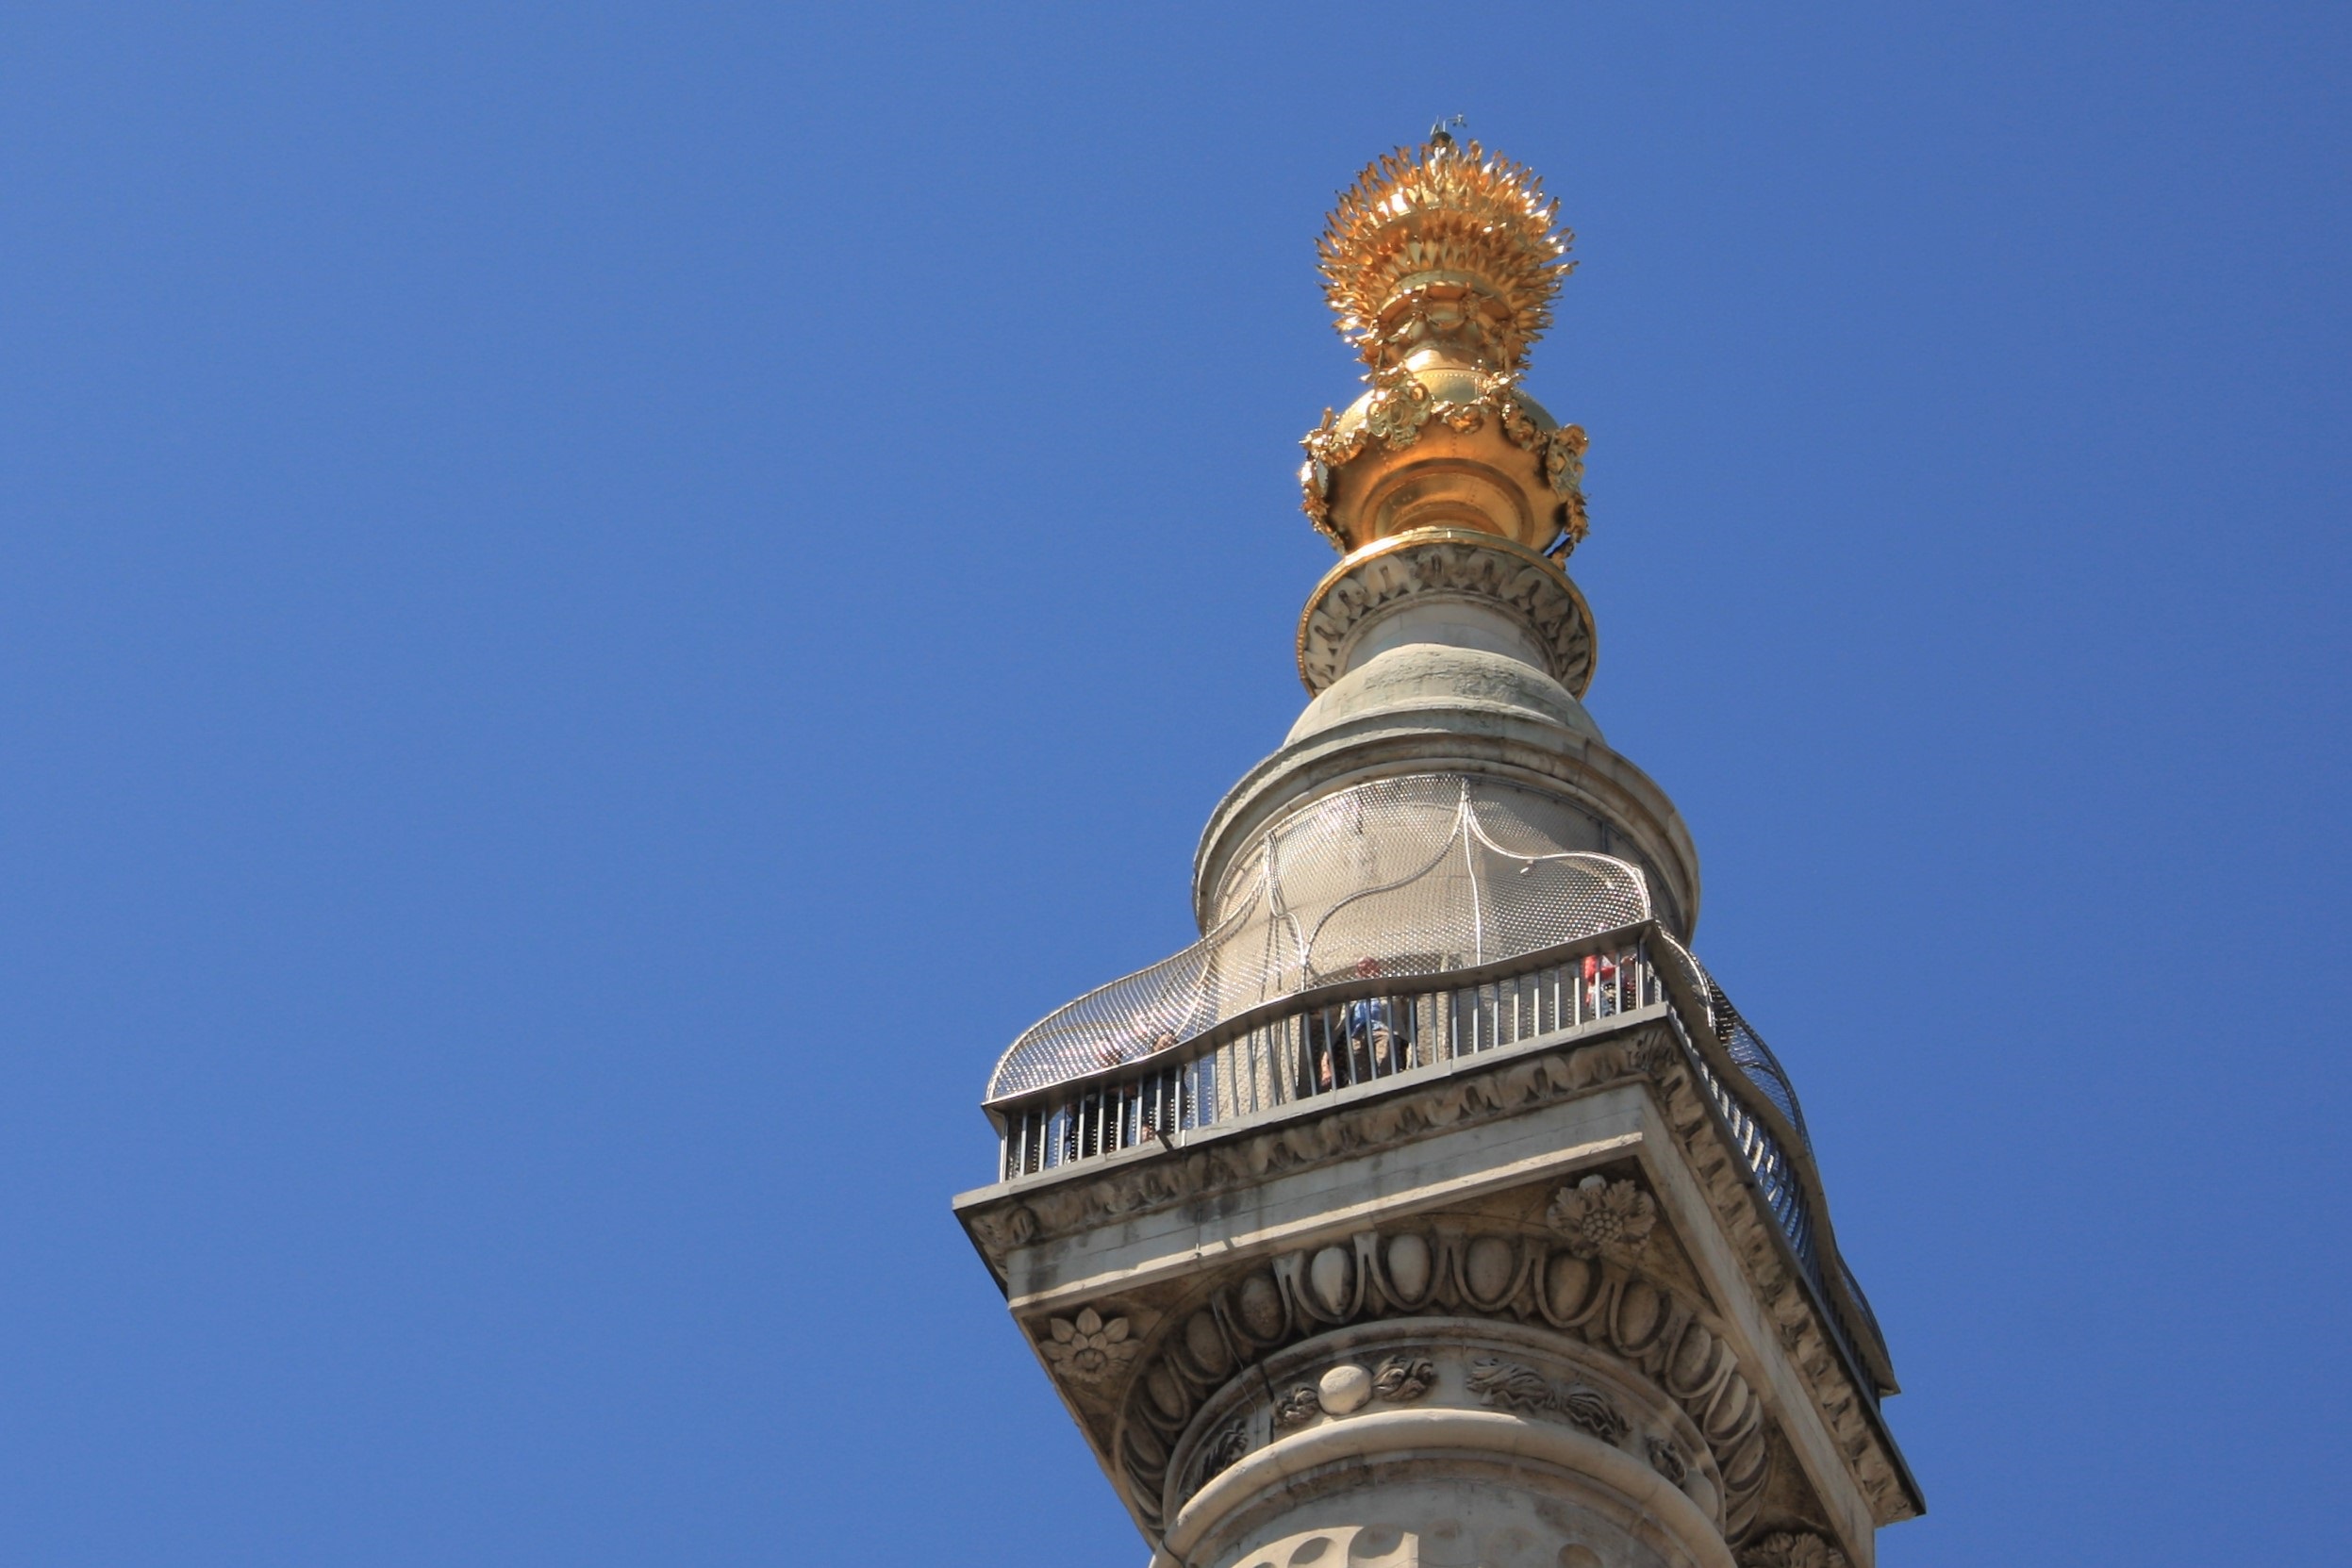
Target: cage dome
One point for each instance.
(1419, 875)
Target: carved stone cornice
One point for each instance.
(1461, 562)
(1044, 1210)
(1039, 1212)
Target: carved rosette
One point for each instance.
(1449, 561)
(1089, 1349)
(1791, 1549)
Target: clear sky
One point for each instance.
(597, 604)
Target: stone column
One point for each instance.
(1556, 1290)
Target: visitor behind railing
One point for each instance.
(1335, 1038)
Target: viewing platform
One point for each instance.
(1330, 1047)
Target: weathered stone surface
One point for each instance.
(1520, 1446)
(1578, 1194)
(1427, 708)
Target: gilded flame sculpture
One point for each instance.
(1442, 245)
(1440, 265)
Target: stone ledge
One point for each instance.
(1029, 1231)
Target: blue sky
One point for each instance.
(597, 605)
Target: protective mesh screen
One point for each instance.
(1775, 1176)
(1420, 875)
(1747, 1051)
(1739, 1039)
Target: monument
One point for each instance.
(1437, 1207)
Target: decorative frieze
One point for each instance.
(1449, 561)
(1419, 1270)
(1511, 1387)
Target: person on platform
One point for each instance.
(1600, 985)
(1366, 1044)
(1376, 1042)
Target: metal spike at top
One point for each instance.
(1444, 245)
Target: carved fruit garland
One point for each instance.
(1598, 1215)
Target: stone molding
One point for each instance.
(1517, 1452)
(1149, 1182)
(1447, 561)
(1001, 1222)
(1424, 1291)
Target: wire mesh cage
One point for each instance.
(1398, 877)
(1415, 880)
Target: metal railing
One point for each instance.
(1777, 1177)
(1323, 1042)
(1783, 1193)
(1339, 1037)
(1299, 912)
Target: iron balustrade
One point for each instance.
(1484, 880)
(1778, 1181)
(1333, 1038)
(1289, 1055)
